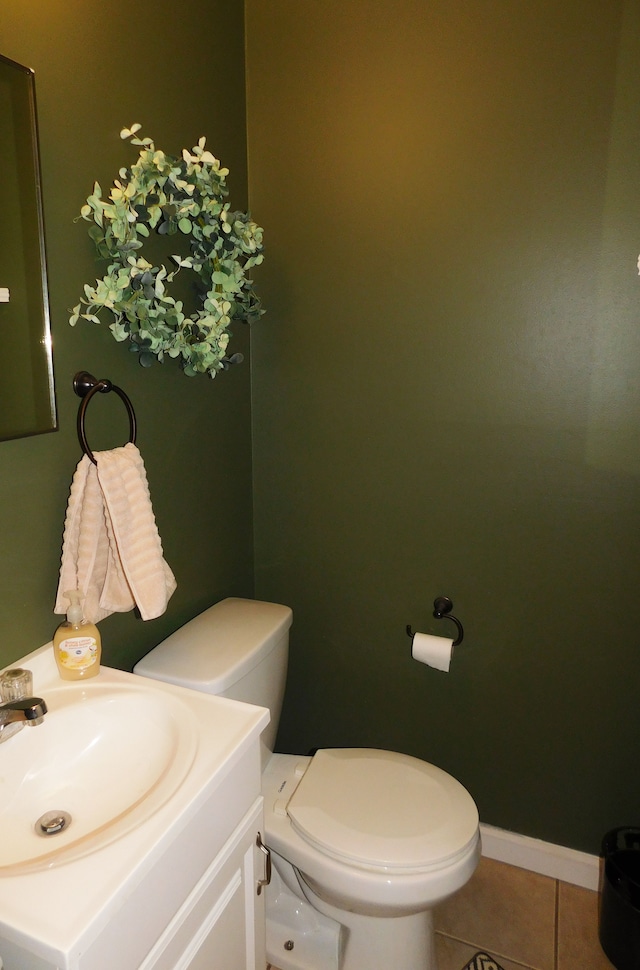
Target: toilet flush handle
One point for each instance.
(267, 864)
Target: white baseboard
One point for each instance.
(556, 861)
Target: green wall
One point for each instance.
(446, 392)
(179, 70)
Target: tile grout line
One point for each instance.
(556, 942)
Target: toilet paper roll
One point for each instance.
(434, 651)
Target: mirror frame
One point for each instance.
(35, 315)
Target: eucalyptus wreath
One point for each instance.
(168, 195)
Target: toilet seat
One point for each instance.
(382, 810)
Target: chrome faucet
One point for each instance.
(27, 710)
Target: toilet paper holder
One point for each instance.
(442, 607)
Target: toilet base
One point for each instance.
(382, 942)
(298, 936)
(304, 932)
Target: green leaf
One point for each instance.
(128, 132)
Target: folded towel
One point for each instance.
(111, 549)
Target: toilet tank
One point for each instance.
(238, 648)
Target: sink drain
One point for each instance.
(52, 822)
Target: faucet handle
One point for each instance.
(16, 684)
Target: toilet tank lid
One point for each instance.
(214, 650)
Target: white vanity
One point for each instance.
(160, 865)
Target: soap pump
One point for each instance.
(76, 643)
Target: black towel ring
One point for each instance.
(85, 386)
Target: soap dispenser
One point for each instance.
(76, 643)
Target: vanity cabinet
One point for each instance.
(218, 925)
(198, 908)
(179, 891)
(221, 924)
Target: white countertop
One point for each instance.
(55, 905)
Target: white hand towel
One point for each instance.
(111, 549)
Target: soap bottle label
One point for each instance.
(78, 653)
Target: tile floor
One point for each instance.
(524, 920)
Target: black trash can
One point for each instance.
(620, 898)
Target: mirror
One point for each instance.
(27, 398)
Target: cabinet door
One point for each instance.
(221, 926)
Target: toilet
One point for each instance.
(364, 842)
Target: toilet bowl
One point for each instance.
(364, 842)
(377, 839)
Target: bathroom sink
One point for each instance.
(156, 779)
(105, 758)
